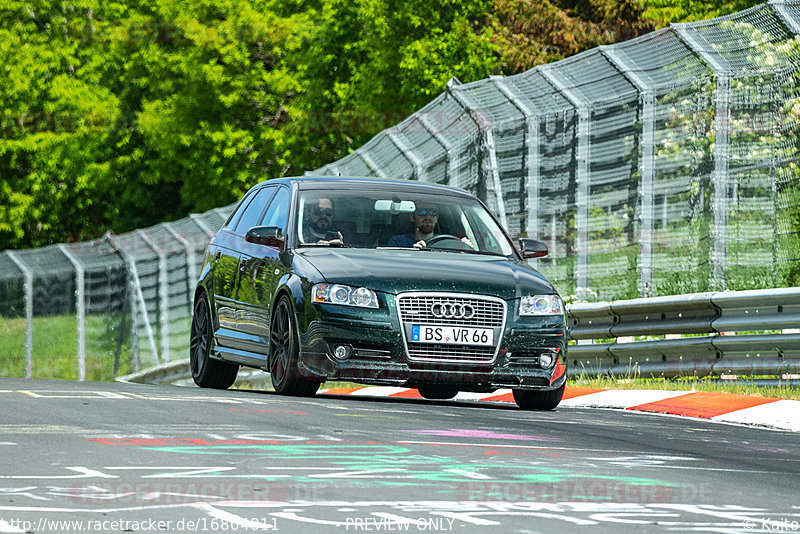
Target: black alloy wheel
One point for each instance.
(538, 400)
(207, 372)
(283, 350)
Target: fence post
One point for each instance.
(195, 218)
(191, 266)
(647, 166)
(80, 308)
(532, 198)
(582, 189)
(163, 294)
(133, 273)
(719, 176)
(370, 163)
(408, 154)
(28, 286)
(463, 100)
(779, 7)
(452, 157)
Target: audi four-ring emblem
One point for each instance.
(452, 310)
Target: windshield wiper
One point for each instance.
(406, 248)
(337, 245)
(480, 252)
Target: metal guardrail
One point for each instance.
(178, 372)
(681, 319)
(753, 333)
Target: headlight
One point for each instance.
(541, 305)
(344, 295)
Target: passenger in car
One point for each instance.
(425, 217)
(318, 226)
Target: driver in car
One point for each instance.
(319, 224)
(424, 217)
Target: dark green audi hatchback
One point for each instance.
(377, 281)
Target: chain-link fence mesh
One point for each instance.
(667, 164)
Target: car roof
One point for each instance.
(360, 182)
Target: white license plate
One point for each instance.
(451, 335)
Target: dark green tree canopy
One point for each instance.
(123, 114)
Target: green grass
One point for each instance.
(55, 348)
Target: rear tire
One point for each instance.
(538, 400)
(283, 351)
(437, 392)
(207, 372)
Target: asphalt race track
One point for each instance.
(106, 457)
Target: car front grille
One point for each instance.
(450, 353)
(417, 309)
(489, 312)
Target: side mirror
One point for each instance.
(270, 236)
(531, 248)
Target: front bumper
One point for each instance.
(377, 354)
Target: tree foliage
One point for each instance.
(123, 114)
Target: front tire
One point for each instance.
(437, 392)
(283, 351)
(207, 372)
(538, 400)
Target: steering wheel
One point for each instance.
(449, 241)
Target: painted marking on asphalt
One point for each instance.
(340, 391)
(66, 394)
(175, 471)
(377, 391)
(498, 446)
(621, 398)
(468, 433)
(783, 413)
(39, 429)
(705, 405)
(573, 392)
(83, 472)
(7, 443)
(407, 394)
(366, 416)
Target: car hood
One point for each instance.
(396, 271)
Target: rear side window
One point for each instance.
(236, 215)
(278, 212)
(252, 213)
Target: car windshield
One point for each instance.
(380, 219)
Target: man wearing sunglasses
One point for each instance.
(424, 217)
(319, 223)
